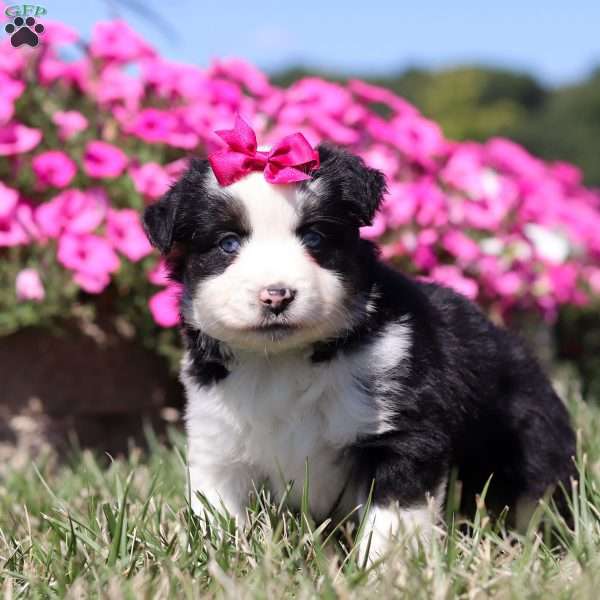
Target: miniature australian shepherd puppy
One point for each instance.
(301, 346)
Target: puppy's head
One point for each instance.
(270, 267)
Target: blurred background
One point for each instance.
(97, 119)
(529, 71)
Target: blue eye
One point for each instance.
(230, 244)
(312, 239)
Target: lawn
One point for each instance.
(97, 527)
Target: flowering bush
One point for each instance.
(86, 143)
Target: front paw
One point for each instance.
(388, 526)
(216, 520)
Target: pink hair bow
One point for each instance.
(289, 160)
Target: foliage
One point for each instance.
(86, 143)
(122, 529)
(567, 125)
(470, 102)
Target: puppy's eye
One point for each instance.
(230, 243)
(312, 239)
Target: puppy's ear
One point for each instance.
(165, 221)
(159, 219)
(359, 187)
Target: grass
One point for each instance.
(94, 527)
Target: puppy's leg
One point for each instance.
(215, 459)
(226, 491)
(410, 473)
(387, 523)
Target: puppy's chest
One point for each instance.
(275, 415)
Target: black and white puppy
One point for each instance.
(302, 346)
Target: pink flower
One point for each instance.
(92, 283)
(25, 217)
(376, 229)
(485, 214)
(69, 123)
(152, 125)
(372, 93)
(56, 33)
(114, 85)
(91, 257)
(245, 73)
(568, 175)
(432, 203)
(424, 257)
(563, 281)
(11, 63)
(508, 284)
(177, 168)
(73, 211)
(29, 286)
(150, 179)
(125, 233)
(170, 80)
(103, 160)
(159, 274)
(164, 306)
(464, 170)
(12, 233)
(461, 246)
(418, 138)
(73, 73)
(17, 139)
(116, 41)
(593, 278)
(8, 201)
(14, 219)
(315, 93)
(452, 277)
(383, 158)
(508, 156)
(400, 204)
(7, 109)
(332, 129)
(10, 90)
(54, 168)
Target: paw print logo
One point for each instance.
(24, 31)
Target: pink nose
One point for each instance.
(276, 297)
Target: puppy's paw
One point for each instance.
(388, 526)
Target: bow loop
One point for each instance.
(241, 138)
(289, 161)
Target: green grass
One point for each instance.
(103, 528)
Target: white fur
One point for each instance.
(277, 411)
(274, 412)
(226, 306)
(387, 524)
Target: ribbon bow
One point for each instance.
(289, 160)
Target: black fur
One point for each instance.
(354, 190)
(209, 357)
(473, 397)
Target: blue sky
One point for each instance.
(556, 41)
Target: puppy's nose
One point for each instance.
(276, 298)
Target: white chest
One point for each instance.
(274, 415)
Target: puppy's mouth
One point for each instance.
(275, 328)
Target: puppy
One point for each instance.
(301, 347)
